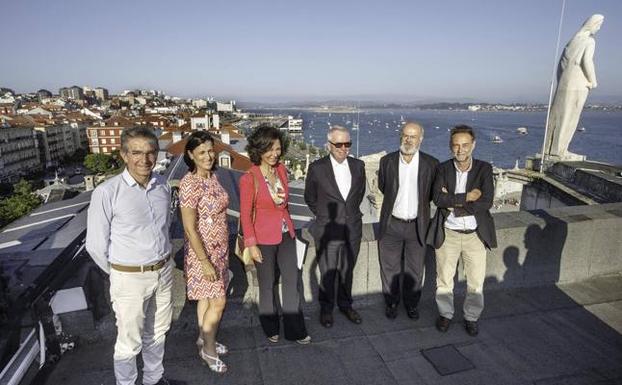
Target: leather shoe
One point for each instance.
(326, 319)
(471, 328)
(442, 324)
(413, 313)
(391, 311)
(352, 315)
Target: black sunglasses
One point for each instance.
(340, 145)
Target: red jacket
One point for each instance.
(268, 216)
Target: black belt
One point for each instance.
(403, 220)
(464, 231)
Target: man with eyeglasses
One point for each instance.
(405, 177)
(128, 237)
(334, 189)
(463, 192)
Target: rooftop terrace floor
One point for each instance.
(565, 334)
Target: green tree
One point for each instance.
(19, 204)
(99, 163)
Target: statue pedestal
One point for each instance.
(533, 162)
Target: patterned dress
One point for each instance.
(210, 200)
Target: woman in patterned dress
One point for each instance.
(203, 202)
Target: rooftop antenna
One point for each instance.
(553, 76)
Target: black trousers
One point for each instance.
(402, 258)
(336, 262)
(281, 259)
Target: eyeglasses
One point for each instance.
(140, 154)
(341, 145)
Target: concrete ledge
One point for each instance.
(597, 180)
(540, 247)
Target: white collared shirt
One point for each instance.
(407, 199)
(343, 177)
(467, 222)
(128, 224)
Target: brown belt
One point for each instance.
(140, 269)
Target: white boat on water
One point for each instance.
(497, 139)
(581, 129)
(522, 130)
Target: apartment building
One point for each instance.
(56, 141)
(19, 152)
(106, 137)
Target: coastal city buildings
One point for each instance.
(41, 131)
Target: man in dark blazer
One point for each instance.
(464, 228)
(405, 177)
(334, 190)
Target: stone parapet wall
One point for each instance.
(539, 247)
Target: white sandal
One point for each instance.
(217, 366)
(274, 339)
(220, 348)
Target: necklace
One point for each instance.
(270, 172)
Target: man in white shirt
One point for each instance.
(463, 193)
(334, 189)
(128, 237)
(405, 177)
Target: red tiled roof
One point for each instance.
(238, 161)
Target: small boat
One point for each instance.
(581, 129)
(497, 139)
(522, 130)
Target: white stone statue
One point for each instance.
(298, 173)
(575, 77)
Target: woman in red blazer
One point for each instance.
(269, 234)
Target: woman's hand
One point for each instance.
(255, 254)
(208, 270)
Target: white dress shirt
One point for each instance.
(343, 177)
(128, 224)
(467, 222)
(407, 199)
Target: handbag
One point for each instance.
(242, 252)
(301, 252)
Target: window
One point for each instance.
(111, 132)
(113, 141)
(104, 141)
(104, 149)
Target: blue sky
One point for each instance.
(304, 50)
